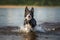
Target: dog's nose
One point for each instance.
(29, 16)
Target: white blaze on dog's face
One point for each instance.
(28, 17)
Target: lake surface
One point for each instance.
(29, 36)
(15, 16)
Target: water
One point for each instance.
(15, 17)
(29, 36)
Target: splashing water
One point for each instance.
(39, 28)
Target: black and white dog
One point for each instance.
(29, 21)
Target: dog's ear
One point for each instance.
(32, 9)
(26, 9)
(32, 12)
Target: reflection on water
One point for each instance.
(41, 36)
(30, 36)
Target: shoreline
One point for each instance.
(21, 6)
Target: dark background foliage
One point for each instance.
(31, 2)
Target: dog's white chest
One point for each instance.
(27, 27)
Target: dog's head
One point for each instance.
(29, 13)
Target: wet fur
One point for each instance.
(32, 22)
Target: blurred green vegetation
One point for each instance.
(31, 2)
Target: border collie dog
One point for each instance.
(29, 21)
